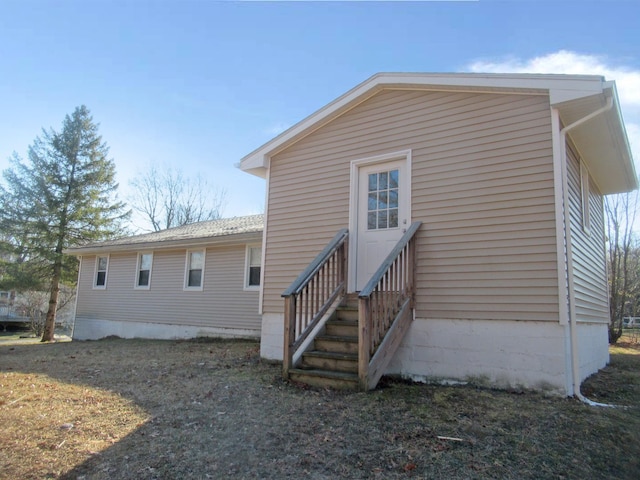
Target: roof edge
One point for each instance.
(559, 87)
(236, 238)
(625, 146)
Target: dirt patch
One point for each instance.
(180, 409)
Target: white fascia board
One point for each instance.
(259, 158)
(623, 139)
(560, 88)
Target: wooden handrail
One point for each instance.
(315, 265)
(385, 309)
(373, 281)
(311, 295)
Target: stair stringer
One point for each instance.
(319, 328)
(386, 350)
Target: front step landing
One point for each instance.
(325, 378)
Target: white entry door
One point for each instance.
(383, 204)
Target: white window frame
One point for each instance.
(584, 198)
(96, 271)
(136, 284)
(247, 267)
(187, 264)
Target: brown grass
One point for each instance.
(212, 409)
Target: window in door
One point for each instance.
(382, 206)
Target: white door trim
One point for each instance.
(353, 201)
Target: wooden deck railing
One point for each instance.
(385, 309)
(311, 295)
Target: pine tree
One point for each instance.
(64, 196)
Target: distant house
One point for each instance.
(201, 279)
(489, 188)
(7, 297)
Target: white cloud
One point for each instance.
(627, 80)
(277, 129)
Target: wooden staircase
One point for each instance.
(332, 361)
(346, 341)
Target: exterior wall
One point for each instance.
(482, 183)
(497, 353)
(589, 270)
(222, 306)
(588, 247)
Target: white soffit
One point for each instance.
(601, 142)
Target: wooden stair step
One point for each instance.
(339, 338)
(325, 378)
(334, 361)
(347, 313)
(337, 343)
(347, 328)
(351, 300)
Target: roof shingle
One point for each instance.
(212, 229)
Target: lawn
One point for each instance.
(211, 409)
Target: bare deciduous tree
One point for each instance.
(34, 304)
(623, 259)
(166, 198)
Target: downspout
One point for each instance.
(573, 344)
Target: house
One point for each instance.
(454, 221)
(195, 280)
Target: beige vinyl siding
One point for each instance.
(588, 247)
(222, 303)
(482, 184)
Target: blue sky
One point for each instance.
(196, 85)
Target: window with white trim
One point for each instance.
(102, 266)
(253, 266)
(584, 191)
(194, 270)
(143, 272)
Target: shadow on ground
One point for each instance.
(216, 411)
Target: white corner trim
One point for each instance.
(264, 239)
(75, 302)
(559, 186)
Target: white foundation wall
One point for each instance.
(272, 337)
(94, 329)
(593, 347)
(497, 353)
